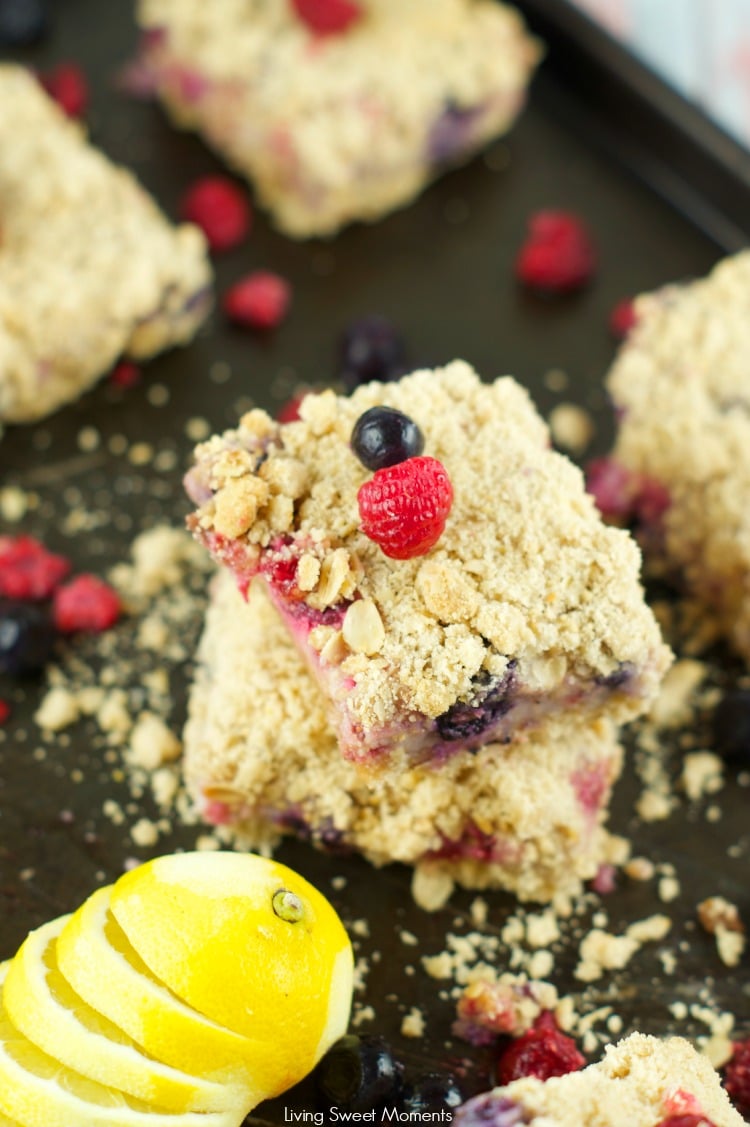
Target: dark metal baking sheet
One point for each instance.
(442, 270)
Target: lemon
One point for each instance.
(100, 965)
(37, 1091)
(41, 1005)
(248, 943)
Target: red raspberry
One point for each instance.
(259, 300)
(685, 1121)
(87, 603)
(541, 1052)
(327, 17)
(403, 508)
(737, 1077)
(289, 411)
(558, 256)
(4, 712)
(66, 84)
(125, 374)
(28, 570)
(622, 318)
(220, 209)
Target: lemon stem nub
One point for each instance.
(287, 906)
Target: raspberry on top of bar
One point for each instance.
(90, 269)
(527, 604)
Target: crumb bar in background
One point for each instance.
(681, 463)
(90, 269)
(262, 760)
(640, 1082)
(528, 607)
(345, 126)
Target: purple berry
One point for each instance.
(22, 22)
(371, 349)
(489, 1110)
(433, 1092)
(358, 1074)
(491, 699)
(384, 437)
(731, 726)
(27, 637)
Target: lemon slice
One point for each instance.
(37, 1091)
(41, 1005)
(250, 944)
(98, 962)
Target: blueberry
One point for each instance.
(27, 637)
(731, 726)
(491, 699)
(433, 1092)
(371, 349)
(22, 22)
(358, 1074)
(383, 437)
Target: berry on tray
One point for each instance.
(125, 375)
(384, 436)
(220, 208)
(558, 255)
(86, 603)
(66, 84)
(27, 637)
(371, 348)
(404, 507)
(622, 318)
(260, 300)
(22, 22)
(358, 1073)
(430, 1095)
(28, 570)
(543, 1051)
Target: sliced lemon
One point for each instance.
(99, 963)
(37, 1091)
(40, 1004)
(250, 944)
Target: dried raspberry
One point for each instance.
(685, 1121)
(125, 374)
(327, 17)
(622, 318)
(28, 570)
(403, 508)
(87, 603)
(66, 84)
(737, 1077)
(542, 1052)
(220, 209)
(289, 411)
(259, 300)
(558, 256)
(4, 712)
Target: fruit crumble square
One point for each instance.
(640, 1082)
(516, 601)
(338, 119)
(262, 760)
(90, 270)
(681, 464)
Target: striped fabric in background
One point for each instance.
(701, 46)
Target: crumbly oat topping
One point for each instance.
(71, 304)
(680, 381)
(525, 568)
(303, 116)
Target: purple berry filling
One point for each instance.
(492, 699)
(489, 1110)
(622, 677)
(453, 133)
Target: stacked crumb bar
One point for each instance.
(474, 735)
(90, 270)
(345, 126)
(681, 464)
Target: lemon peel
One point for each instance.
(42, 1005)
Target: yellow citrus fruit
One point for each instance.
(250, 944)
(41, 1004)
(37, 1091)
(99, 963)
